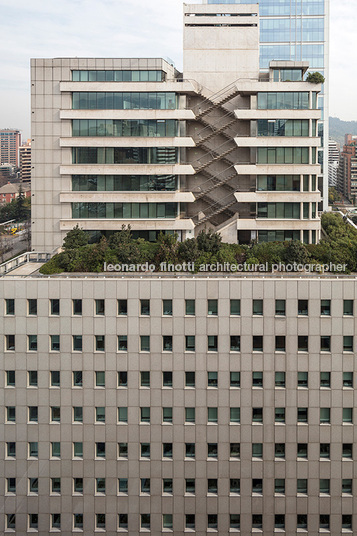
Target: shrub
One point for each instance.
(315, 78)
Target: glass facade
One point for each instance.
(278, 236)
(282, 7)
(124, 210)
(283, 155)
(124, 183)
(278, 210)
(284, 127)
(118, 76)
(124, 155)
(90, 100)
(276, 183)
(293, 100)
(125, 127)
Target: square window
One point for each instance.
(123, 485)
(145, 378)
(122, 307)
(99, 343)
(122, 343)
(347, 485)
(145, 450)
(212, 521)
(78, 414)
(10, 343)
(56, 485)
(235, 379)
(77, 343)
(325, 450)
(324, 521)
(100, 414)
(257, 521)
(257, 415)
(234, 450)
(55, 521)
(123, 414)
(325, 486)
(257, 379)
(212, 379)
(167, 450)
(11, 449)
(100, 521)
(280, 307)
(123, 450)
(167, 379)
(167, 485)
(145, 521)
(212, 450)
(145, 343)
(167, 343)
(257, 343)
(279, 521)
(78, 521)
(325, 343)
(279, 450)
(235, 343)
(33, 449)
(325, 379)
(190, 486)
(32, 307)
(100, 307)
(234, 485)
(303, 378)
(347, 450)
(56, 449)
(122, 378)
(279, 486)
(212, 343)
(190, 343)
(303, 307)
(77, 307)
(32, 343)
(123, 521)
(190, 379)
(33, 413)
(234, 415)
(33, 521)
(212, 415)
(190, 450)
(280, 344)
(303, 343)
(100, 485)
(11, 414)
(78, 485)
(302, 415)
(347, 415)
(257, 485)
(212, 307)
(325, 415)
(55, 307)
(10, 307)
(78, 449)
(145, 414)
(77, 378)
(348, 343)
(348, 307)
(100, 378)
(167, 522)
(145, 307)
(167, 415)
(190, 307)
(167, 307)
(279, 379)
(326, 307)
(190, 521)
(212, 485)
(33, 485)
(257, 450)
(235, 307)
(234, 521)
(346, 522)
(258, 307)
(348, 379)
(55, 378)
(301, 521)
(302, 450)
(10, 378)
(100, 450)
(280, 415)
(11, 485)
(190, 414)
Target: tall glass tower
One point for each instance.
(297, 30)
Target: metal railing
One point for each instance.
(24, 258)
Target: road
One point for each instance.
(18, 244)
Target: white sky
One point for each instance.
(129, 28)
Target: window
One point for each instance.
(301, 521)
(235, 307)
(234, 521)
(190, 521)
(190, 414)
(212, 485)
(235, 485)
(144, 450)
(325, 486)
(326, 307)
(56, 449)
(257, 485)
(302, 415)
(122, 343)
(11, 485)
(10, 343)
(145, 343)
(348, 379)
(325, 343)
(280, 415)
(235, 343)
(145, 485)
(123, 485)
(145, 307)
(279, 450)
(212, 379)
(100, 521)
(167, 307)
(78, 485)
(303, 343)
(167, 343)
(302, 380)
(190, 450)
(279, 486)
(325, 414)
(145, 414)
(33, 485)
(302, 450)
(55, 521)
(190, 485)
(325, 450)
(257, 379)
(235, 415)
(279, 521)
(10, 378)
(10, 414)
(280, 306)
(347, 485)
(235, 379)
(100, 378)
(100, 307)
(234, 450)
(190, 343)
(78, 449)
(33, 449)
(167, 485)
(212, 450)
(32, 343)
(77, 378)
(123, 450)
(99, 343)
(348, 307)
(257, 343)
(347, 450)
(212, 307)
(301, 486)
(32, 307)
(348, 343)
(347, 415)
(10, 307)
(145, 521)
(123, 521)
(77, 307)
(78, 521)
(33, 413)
(122, 307)
(167, 522)
(145, 378)
(258, 307)
(280, 344)
(55, 307)
(167, 379)
(257, 521)
(190, 307)
(100, 450)
(212, 414)
(325, 379)
(324, 521)
(33, 521)
(346, 522)
(212, 521)
(123, 414)
(77, 343)
(257, 450)
(279, 379)
(11, 449)
(100, 414)
(257, 415)
(55, 378)
(122, 378)
(190, 379)
(212, 343)
(167, 415)
(303, 307)
(78, 414)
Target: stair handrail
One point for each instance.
(220, 92)
(213, 125)
(212, 152)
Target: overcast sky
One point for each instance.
(129, 28)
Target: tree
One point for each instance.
(295, 251)
(125, 248)
(315, 78)
(75, 238)
(209, 241)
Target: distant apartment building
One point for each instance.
(11, 191)
(333, 162)
(10, 141)
(25, 162)
(347, 170)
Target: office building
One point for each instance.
(347, 170)
(333, 161)
(10, 141)
(25, 162)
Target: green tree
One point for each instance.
(315, 78)
(209, 241)
(295, 251)
(75, 238)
